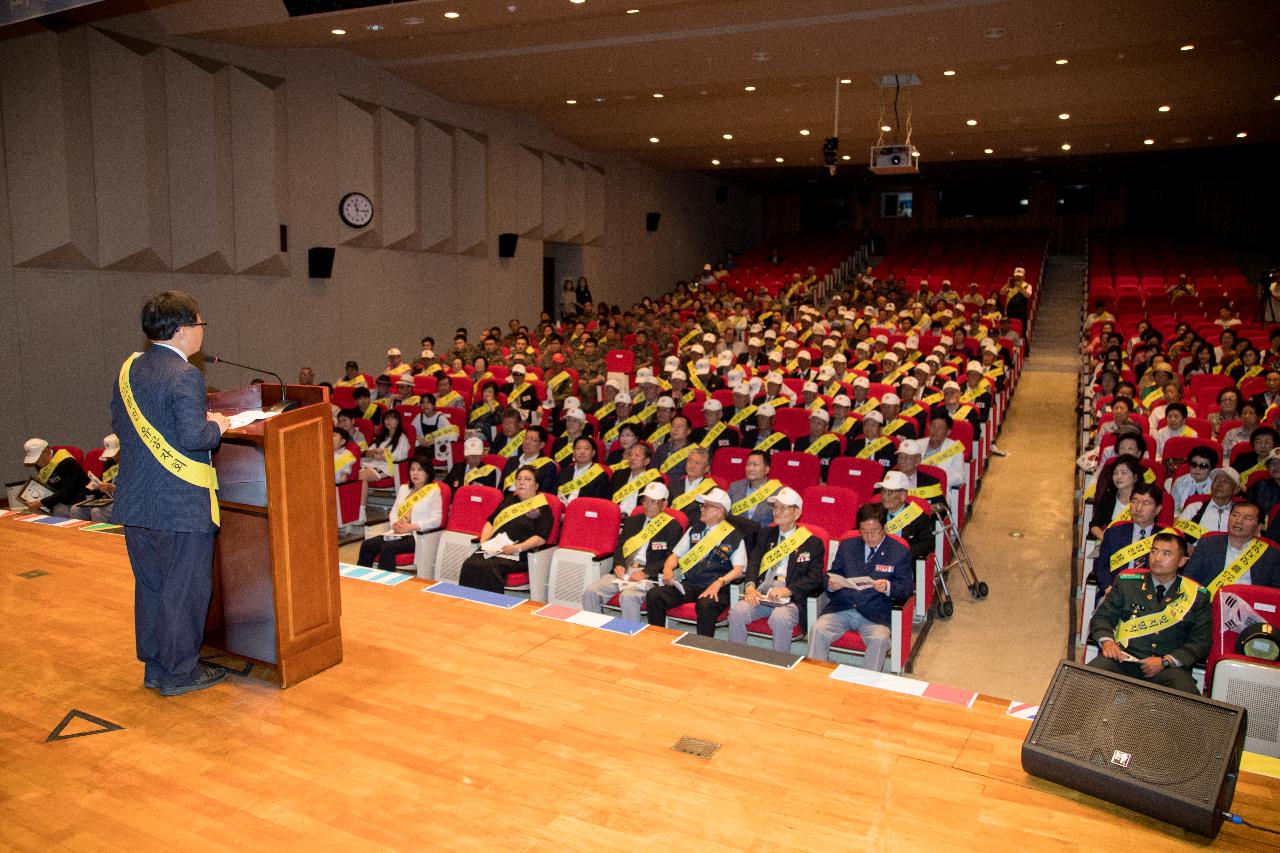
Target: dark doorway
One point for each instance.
(549, 292)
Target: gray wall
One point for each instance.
(133, 163)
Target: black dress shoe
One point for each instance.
(207, 675)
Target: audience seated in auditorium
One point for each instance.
(1238, 557)
(645, 542)
(525, 519)
(417, 510)
(59, 473)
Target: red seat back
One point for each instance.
(730, 463)
(830, 507)
(792, 421)
(858, 475)
(471, 508)
(796, 469)
(592, 525)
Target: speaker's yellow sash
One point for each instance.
(635, 485)
(741, 415)
(518, 509)
(910, 512)
(46, 472)
(751, 501)
(578, 482)
(1173, 612)
(645, 535)
(676, 458)
(698, 552)
(414, 499)
(821, 443)
(685, 498)
(781, 551)
(535, 465)
(872, 447)
(1129, 553)
(1238, 566)
(477, 472)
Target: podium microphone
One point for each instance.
(284, 405)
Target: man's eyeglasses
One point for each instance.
(1204, 465)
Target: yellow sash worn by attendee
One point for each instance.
(1175, 610)
(512, 447)
(942, 454)
(518, 509)
(536, 465)
(685, 498)
(578, 482)
(769, 441)
(822, 442)
(910, 512)
(416, 498)
(1131, 552)
(635, 485)
(46, 472)
(706, 544)
(477, 472)
(1238, 566)
(741, 415)
(871, 448)
(342, 460)
(174, 461)
(751, 501)
(676, 458)
(654, 526)
(781, 551)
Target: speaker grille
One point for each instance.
(1127, 731)
(1263, 702)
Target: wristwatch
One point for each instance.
(1166, 663)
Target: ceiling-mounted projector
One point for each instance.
(895, 160)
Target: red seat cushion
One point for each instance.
(761, 627)
(688, 612)
(850, 640)
(613, 602)
(517, 579)
(405, 559)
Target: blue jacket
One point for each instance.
(892, 562)
(1115, 537)
(171, 393)
(1210, 559)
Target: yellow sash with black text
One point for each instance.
(741, 415)
(943, 454)
(871, 448)
(414, 499)
(769, 441)
(518, 509)
(1131, 552)
(751, 501)
(440, 434)
(536, 465)
(910, 512)
(477, 472)
(687, 497)
(706, 544)
(927, 492)
(659, 434)
(109, 474)
(871, 404)
(174, 461)
(513, 445)
(1248, 557)
(676, 458)
(480, 411)
(695, 380)
(46, 472)
(1174, 611)
(563, 453)
(635, 543)
(780, 552)
(821, 443)
(581, 480)
(712, 434)
(635, 485)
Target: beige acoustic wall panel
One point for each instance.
(131, 189)
(44, 96)
(528, 191)
(258, 131)
(470, 199)
(552, 197)
(593, 205)
(435, 186)
(574, 192)
(201, 219)
(399, 171)
(356, 166)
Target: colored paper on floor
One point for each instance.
(603, 621)
(364, 573)
(741, 651)
(1022, 710)
(100, 527)
(51, 520)
(479, 596)
(74, 522)
(883, 681)
(954, 695)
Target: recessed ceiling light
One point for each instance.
(1064, 116)
(777, 159)
(846, 81)
(971, 122)
(1060, 61)
(375, 28)
(845, 157)
(599, 99)
(949, 73)
(1165, 108)
(1148, 142)
(1187, 47)
(1241, 135)
(804, 132)
(1276, 98)
(713, 162)
(726, 136)
(654, 139)
(748, 88)
(577, 2)
(988, 150)
(338, 32)
(885, 128)
(572, 101)
(1066, 146)
(636, 12)
(657, 94)
(452, 15)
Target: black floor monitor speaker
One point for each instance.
(320, 261)
(507, 245)
(651, 221)
(1166, 754)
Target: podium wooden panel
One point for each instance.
(276, 599)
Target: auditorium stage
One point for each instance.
(455, 725)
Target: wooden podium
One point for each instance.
(276, 599)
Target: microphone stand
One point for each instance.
(285, 403)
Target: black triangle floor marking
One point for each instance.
(106, 725)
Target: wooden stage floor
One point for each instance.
(452, 725)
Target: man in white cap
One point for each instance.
(660, 431)
(820, 442)
(582, 476)
(842, 422)
(809, 395)
(575, 426)
(870, 572)
(522, 395)
(890, 407)
(59, 472)
(754, 356)
(766, 437)
(783, 571)
(716, 434)
(680, 389)
(645, 542)
(957, 410)
(742, 415)
(862, 401)
(776, 392)
(611, 423)
(905, 518)
(97, 506)
(1212, 515)
(709, 556)
(919, 483)
(472, 470)
(395, 363)
(976, 390)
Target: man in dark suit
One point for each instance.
(879, 564)
(630, 478)
(170, 518)
(1125, 544)
(1238, 557)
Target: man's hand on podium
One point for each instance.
(219, 419)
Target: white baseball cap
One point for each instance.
(715, 496)
(393, 351)
(911, 381)
(665, 402)
(622, 398)
(110, 446)
(910, 447)
(712, 405)
(873, 415)
(787, 496)
(472, 447)
(774, 376)
(32, 449)
(820, 413)
(671, 363)
(826, 374)
(861, 382)
(702, 366)
(842, 400)
(766, 410)
(679, 374)
(950, 385)
(725, 358)
(891, 399)
(973, 367)
(840, 357)
(894, 480)
(657, 491)
(576, 414)
(753, 341)
(810, 386)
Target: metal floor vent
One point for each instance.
(696, 746)
(33, 574)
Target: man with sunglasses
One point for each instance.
(166, 493)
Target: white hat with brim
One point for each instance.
(716, 496)
(32, 449)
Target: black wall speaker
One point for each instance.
(651, 221)
(1167, 754)
(507, 245)
(722, 194)
(320, 261)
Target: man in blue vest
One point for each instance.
(165, 494)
